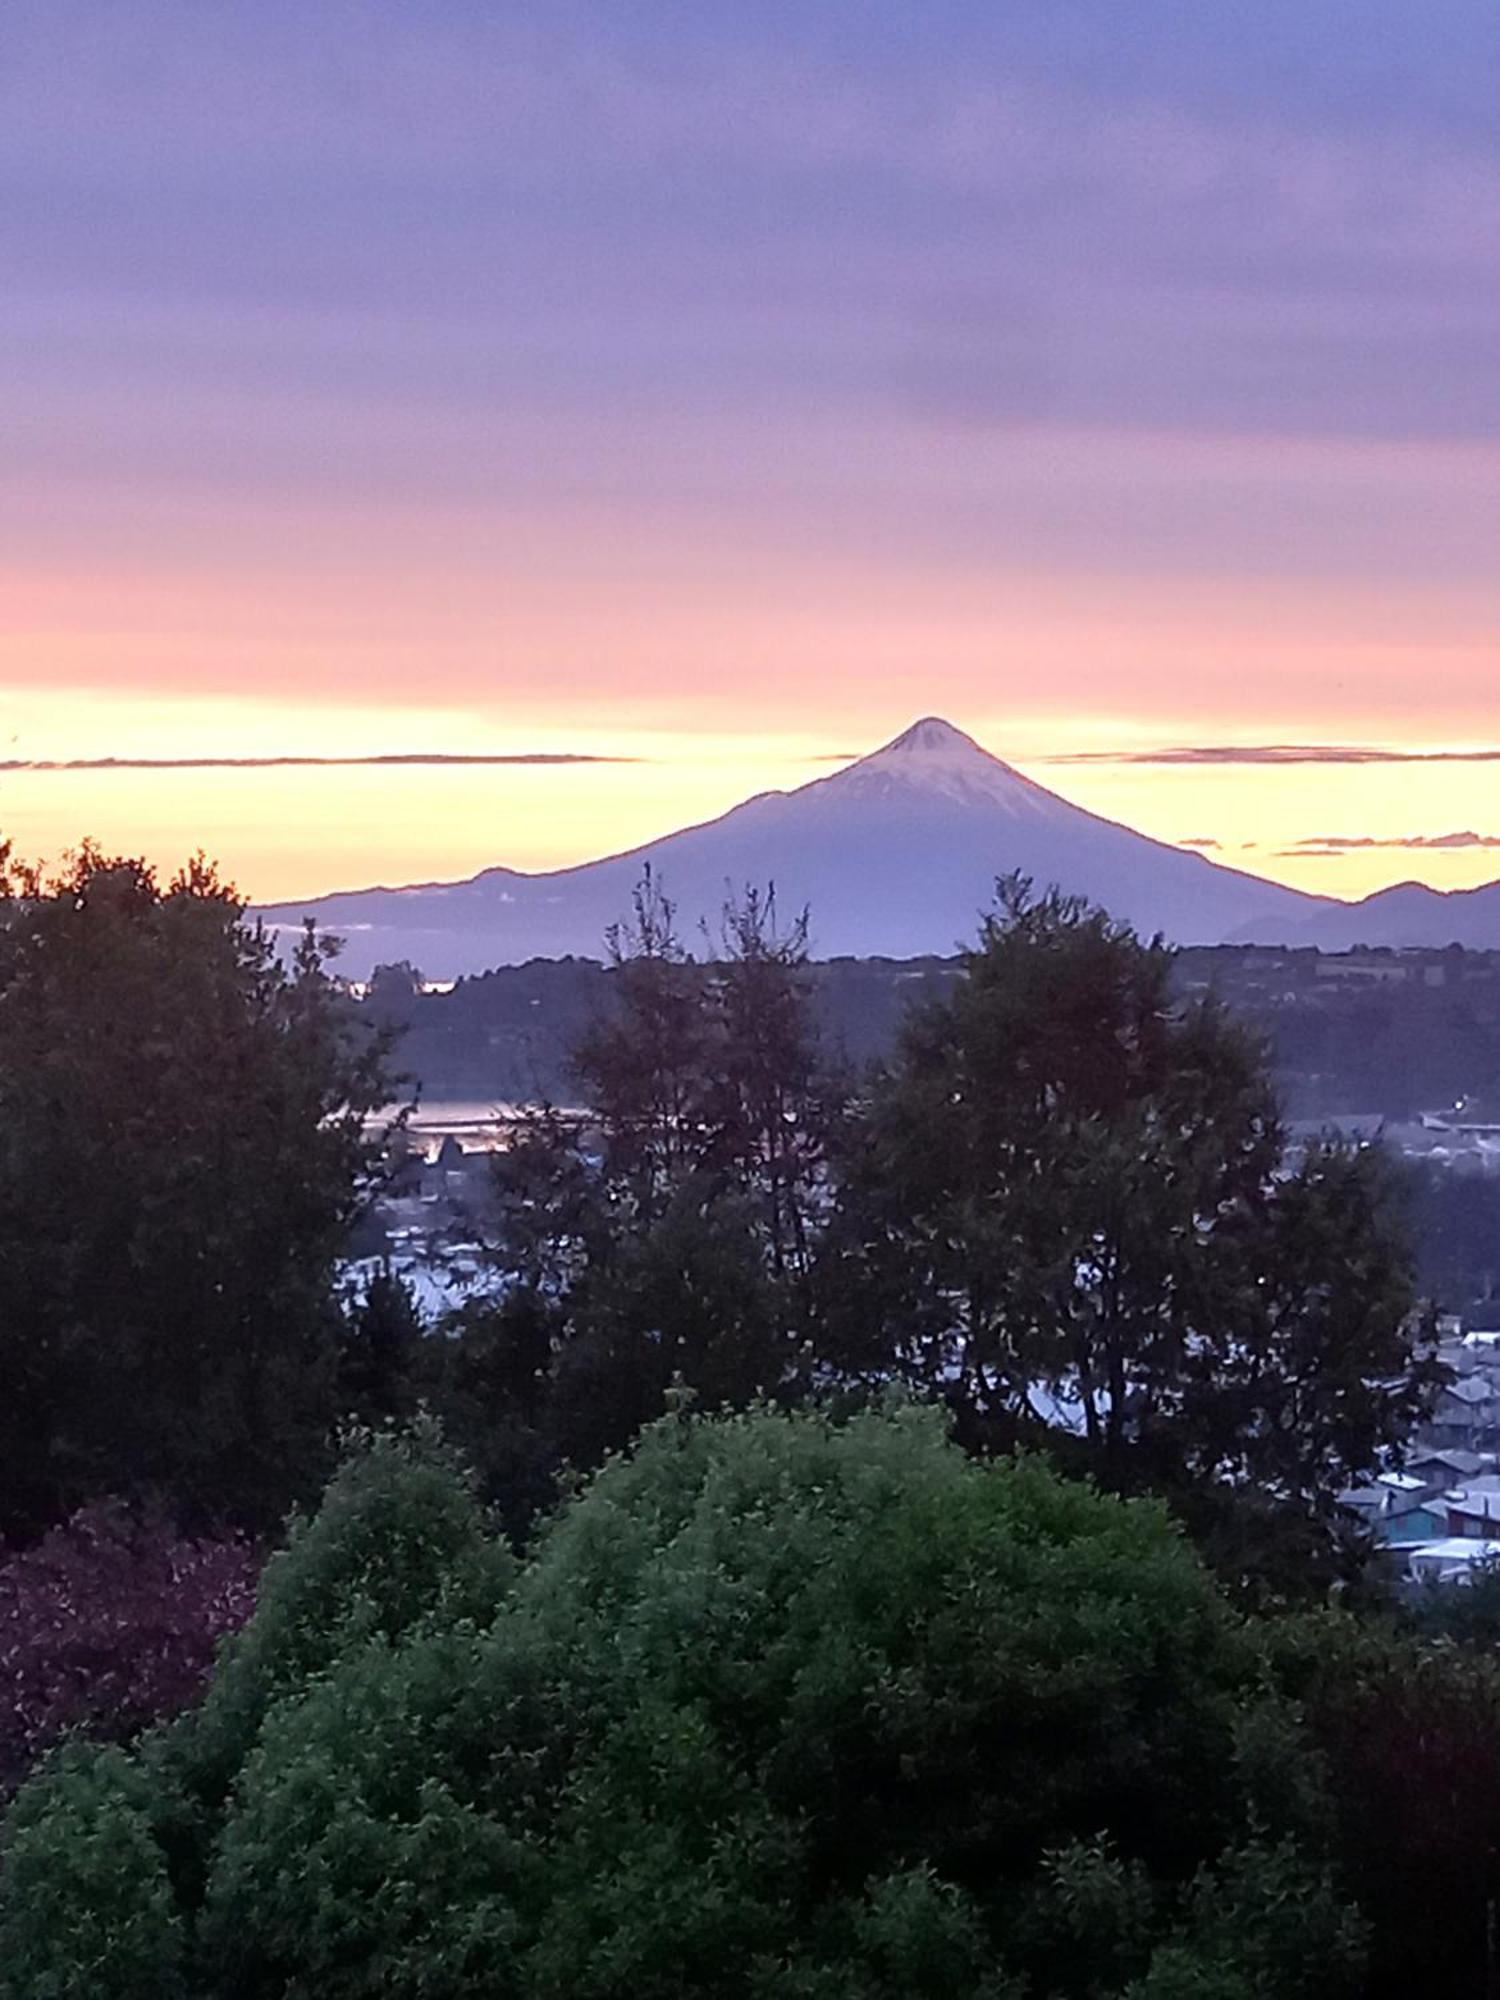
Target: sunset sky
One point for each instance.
(701, 392)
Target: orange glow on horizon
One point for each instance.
(286, 833)
(731, 651)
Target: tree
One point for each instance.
(640, 1063)
(110, 1624)
(665, 1231)
(770, 1100)
(1317, 1367)
(1068, 1210)
(688, 1301)
(380, 1371)
(774, 1707)
(710, 1072)
(1408, 1733)
(183, 1148)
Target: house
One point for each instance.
(1464, 1414)
(1395, 1511)
(1473, 1509)
(1450, 1561)
(1366, 1504)
(1414, 1527)
(1438, 1469)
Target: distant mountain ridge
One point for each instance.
(1408, 916)
(895, 856)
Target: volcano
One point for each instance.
(893, 856)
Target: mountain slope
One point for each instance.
(1408, 914)
(895, 856)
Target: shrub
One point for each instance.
(89, 1911)
(109, 1624)
(775, 1707)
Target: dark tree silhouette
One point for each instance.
(183, 1148)
(1070, 1205)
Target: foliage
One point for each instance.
(775, 1704)
(1409, 1735)
(1068, 1211)
(710, 1076)
(399, 1539)
(380, 1350)
(775, 1707)
(182, 1151)
(1259, 1925)
(1468, 1613)
(1070, 1207)
(107, 1625)
(668, 1231)
(640, 1064)
(687, 1299)
(89, 1906)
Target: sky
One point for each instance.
(699, 393)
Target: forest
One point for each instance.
(1364, 1034)
(880, 1538)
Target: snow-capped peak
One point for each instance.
(932, 737)
(934, 760)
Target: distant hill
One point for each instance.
(1367, 1034)
(894, 856)
(1405, 917)
(506, 1036)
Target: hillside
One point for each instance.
(1347, 1035)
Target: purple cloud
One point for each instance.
(1333, 843)
(399, 758)
(1276, 753)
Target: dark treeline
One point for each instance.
(879, 1539)
(1342, 1042)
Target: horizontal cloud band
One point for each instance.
(1334, 843)
(415, 757)
(1276, 753)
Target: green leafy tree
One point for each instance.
(1069, 1208)
(687, 1300)
(775, 1707)
(182, 1152)
(490, 1377)
(771, 1098)
(1317, 1365)
(105, 1859)
(1407, 1732)
(398, 1541)
(90, 1911)
(710, 1074)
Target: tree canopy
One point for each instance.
(775, 1707)
(183, 1147)
(1070, 1211)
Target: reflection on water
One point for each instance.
(479, 1127)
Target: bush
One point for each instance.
(398, 1541)
(89, 1911)
(107, 1625)
(1409, 1733)
(775, 1707)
